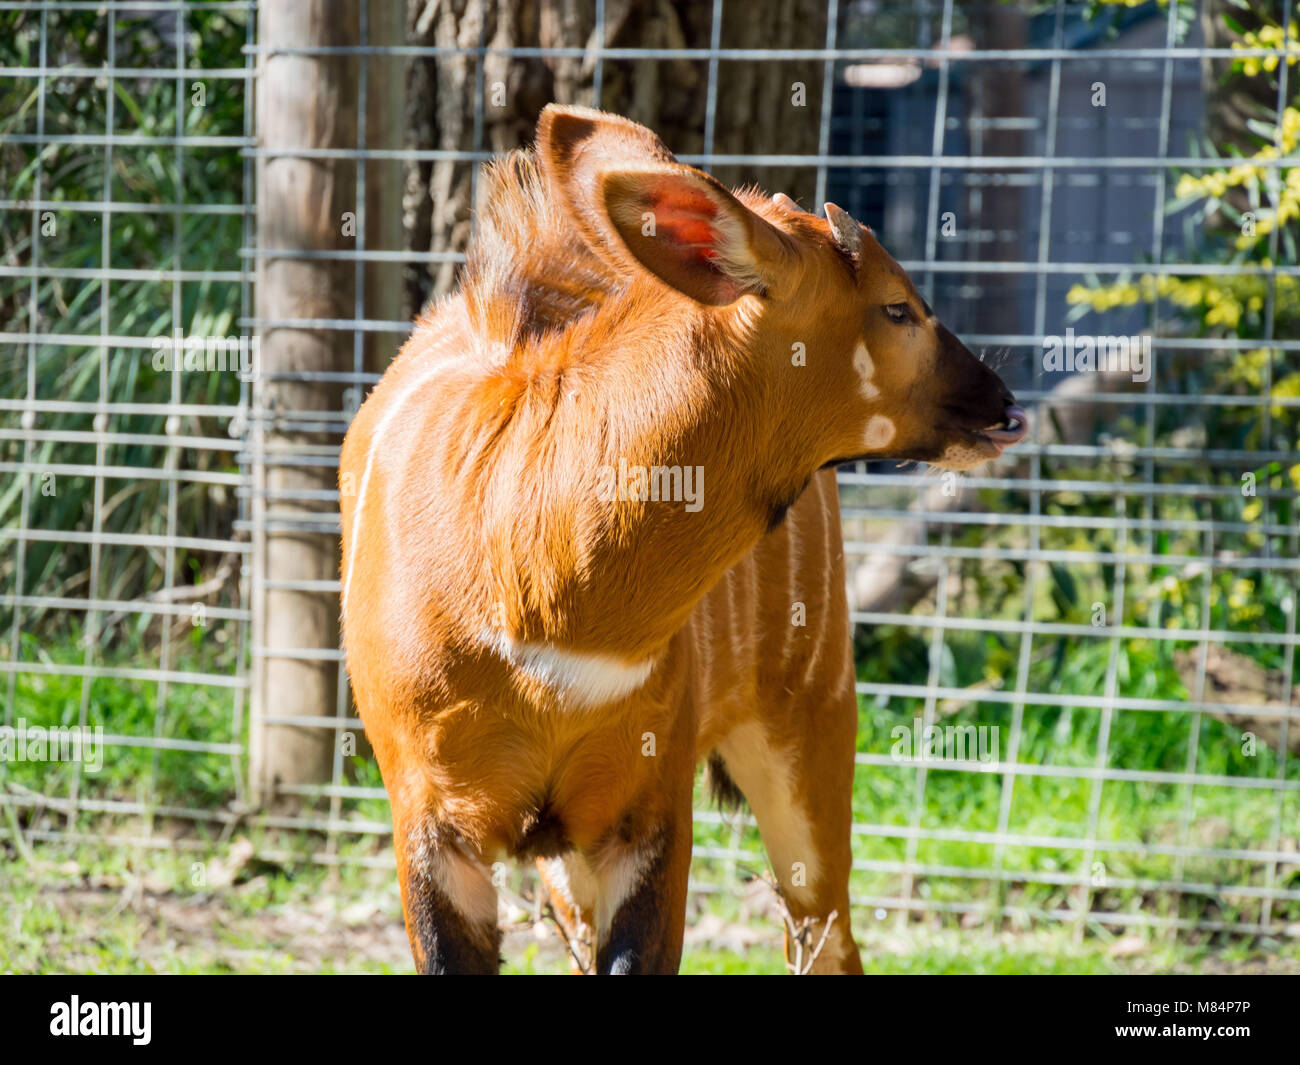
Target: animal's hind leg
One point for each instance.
(450, 904)
(795, 768)
(572, 890)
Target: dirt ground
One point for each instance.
(61, 919)
(79, 926)
(65, 914)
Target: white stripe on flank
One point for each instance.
(380, 428)
(585, 678)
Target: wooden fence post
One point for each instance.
(304, 202)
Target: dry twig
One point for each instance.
(799, 933)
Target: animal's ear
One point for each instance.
(575, 142)
(632, 199)
(691, 233)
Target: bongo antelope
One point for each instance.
(541, 645)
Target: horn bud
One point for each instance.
(845, 230)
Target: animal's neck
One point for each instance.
(661, 472)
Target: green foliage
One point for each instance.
(1169, 593)
(142, 170)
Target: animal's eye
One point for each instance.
(898, 313)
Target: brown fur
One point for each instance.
(565, 351)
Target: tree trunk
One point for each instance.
(759, 106)
(303, 102)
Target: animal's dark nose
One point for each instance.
(1014, 426)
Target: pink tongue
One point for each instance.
(1007, 437)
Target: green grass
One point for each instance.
(98, 911)
(1146, 813)
(1164, 597)
(132, 708)
(1155, 814)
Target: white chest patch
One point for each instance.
(866, 370)
(880, 431)
(582, 678)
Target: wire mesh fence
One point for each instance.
(122, 213)
(1076, 667)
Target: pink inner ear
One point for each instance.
(683, 216)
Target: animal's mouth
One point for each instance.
(1010, 430)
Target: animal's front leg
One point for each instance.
(641, 907)
(449, 902)
(641, 872)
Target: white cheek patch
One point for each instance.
(880, 431)
(866, 370)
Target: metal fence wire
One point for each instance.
(1103, 622)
